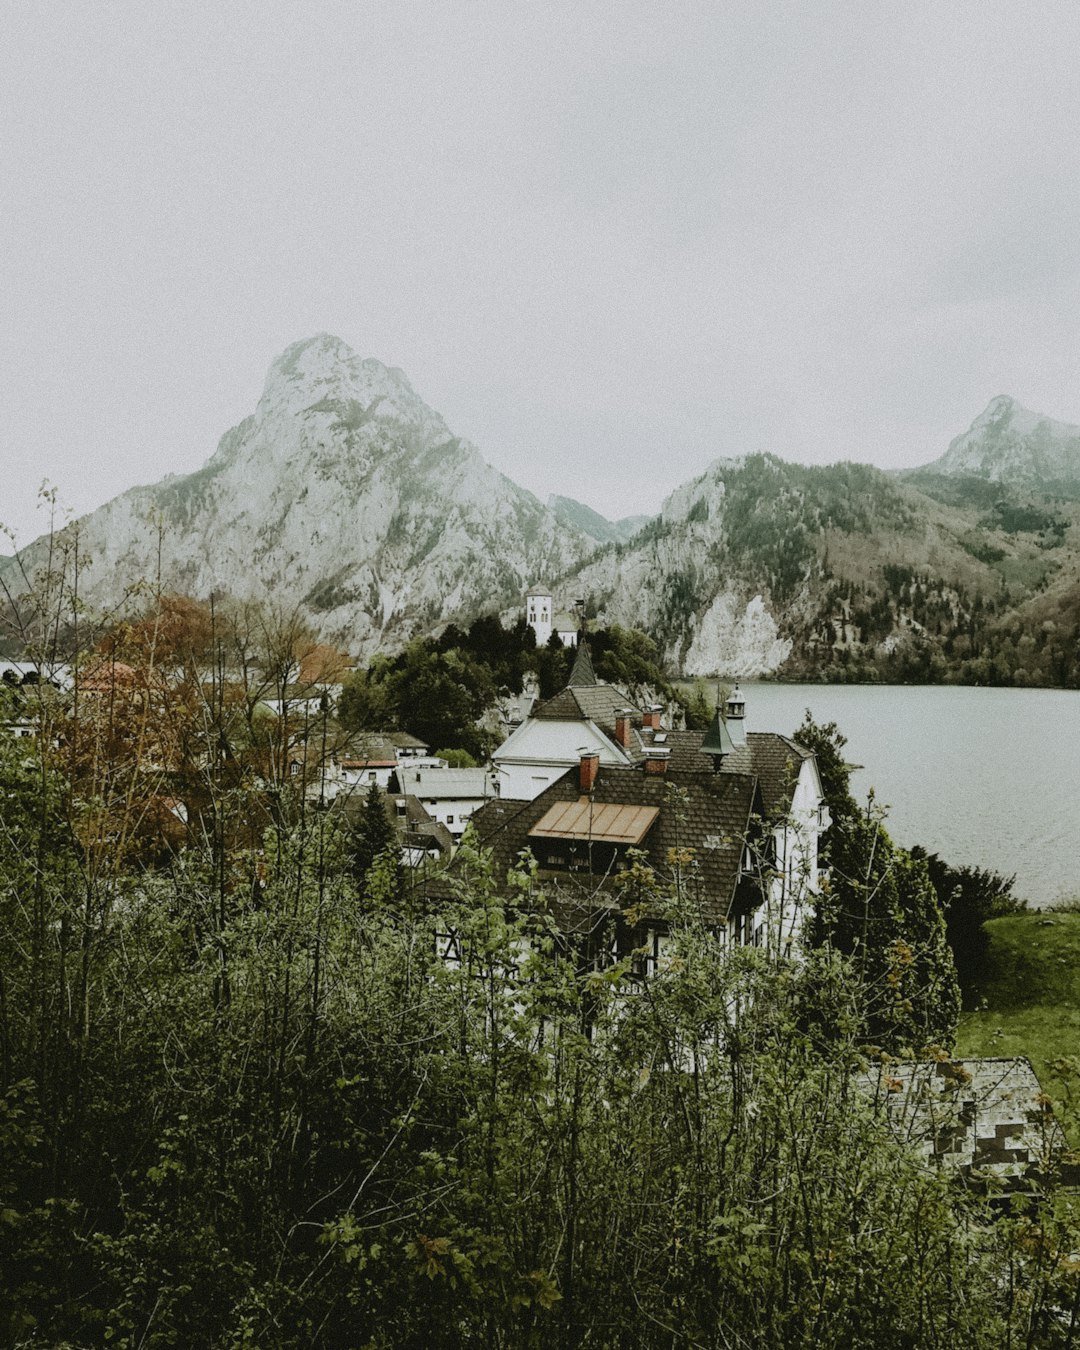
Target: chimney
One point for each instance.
(588, 768)
(651, 718)
(622, 727)
(736, 717)
(656, 759)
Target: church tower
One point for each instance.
(538, 613)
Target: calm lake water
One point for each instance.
(983, 776)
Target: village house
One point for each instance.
(422, 840)
(450, 796)
(353, 763)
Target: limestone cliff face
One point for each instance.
(679, 580)
(344, 493)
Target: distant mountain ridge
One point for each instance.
(1010, 444)
(577, 516)
(345, 495)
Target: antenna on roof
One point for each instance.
(580, 605)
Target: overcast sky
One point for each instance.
(608, 242)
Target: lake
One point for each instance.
(989, 777)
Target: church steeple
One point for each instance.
(582, 674)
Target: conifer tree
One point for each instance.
(373, 833)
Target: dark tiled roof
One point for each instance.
(774, 760)
(405, 740)
(361, 746)
(710, 820)
(597, 703)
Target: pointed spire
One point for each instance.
(717, 742)
(582, 674)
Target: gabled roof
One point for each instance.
(405, 740)
(445, 783)
(364, 746)
(774, 760)
(599, 703)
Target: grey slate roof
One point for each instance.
(597, 703)
(445, 784)
(774, 760)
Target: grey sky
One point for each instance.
(609, 242)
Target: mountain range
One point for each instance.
(346, 495)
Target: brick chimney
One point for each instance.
(656, 759)
(651, 718)
(622, 727)
(588, 768)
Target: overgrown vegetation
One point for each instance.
(879, 908)
(256, 1091)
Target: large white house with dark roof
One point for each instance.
(586, 715)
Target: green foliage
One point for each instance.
(629, 657)
(440, 689)
(239, 1107)
(697, 708)
(457, 759)
(1027, 1002)
(879, 907)
(969, 897)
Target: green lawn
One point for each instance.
(1029, 1004)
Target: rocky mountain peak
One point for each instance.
(323, 374)
(1009, 443)
(1000, 406)
(342, 493)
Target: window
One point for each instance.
(449, 820)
